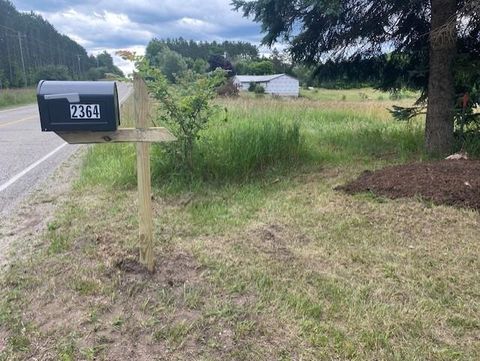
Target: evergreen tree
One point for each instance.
(428, 33)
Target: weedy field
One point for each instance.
(258, 258)
(12, 97)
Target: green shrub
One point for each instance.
(259, 89)
(185, 107)
(228, 89)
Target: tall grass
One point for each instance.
(11, 97)
(235, 152)
(357, 95)
(267, 138)
(348, 138)
(470, 144)
(338, 134)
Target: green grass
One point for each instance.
(13, 97)
(235, 151)
(471, 144)
(266, 138)
(257, 256)
(337, 134)
(112, 165)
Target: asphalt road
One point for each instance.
(28, 155)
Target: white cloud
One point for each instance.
(97, 27)
(131, 24)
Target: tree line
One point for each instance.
(388, 71)
(32, 49)
(204, 49)
(175, 56)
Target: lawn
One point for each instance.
(257, 260)
(12, 97)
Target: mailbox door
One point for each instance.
(94, 113)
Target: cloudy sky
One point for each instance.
(129, 24)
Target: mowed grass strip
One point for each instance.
(272, 265)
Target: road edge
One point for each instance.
(21, 231)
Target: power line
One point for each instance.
(79, 65)
(19, 37)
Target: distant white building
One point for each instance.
(278, 84)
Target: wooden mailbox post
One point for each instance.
(142, 135)
(144, 176)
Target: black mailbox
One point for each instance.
(78, 105)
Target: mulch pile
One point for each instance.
(450, 182)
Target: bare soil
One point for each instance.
(454, 183)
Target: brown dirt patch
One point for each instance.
(276, 241)
(171, 270)
(123, 314)
(453, 183)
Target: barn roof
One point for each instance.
(257, 78)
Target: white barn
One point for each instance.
(278, 84)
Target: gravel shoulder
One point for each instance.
(20, 229)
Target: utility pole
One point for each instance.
(79, 66)
(23, 60)
(9, 60)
